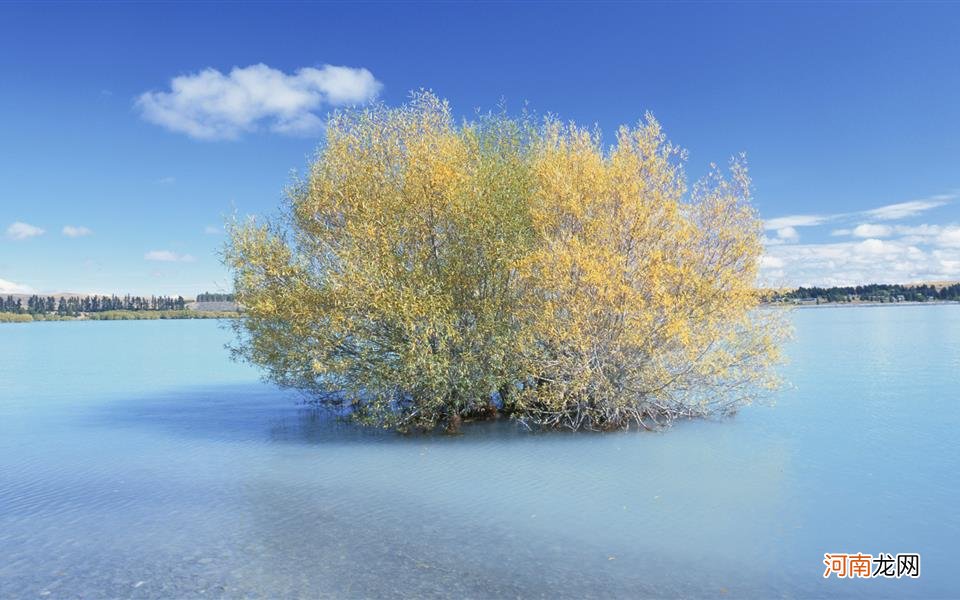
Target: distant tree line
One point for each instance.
(875, 292)
(208, 297)
(72, 306)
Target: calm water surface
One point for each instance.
(136, 461)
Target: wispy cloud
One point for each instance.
(23, 231)
(796, 221)
(167, 256)
(212, 230)
(902, 210)
(75, 231)
(889, 212)
(167, 180)
(211, 105)
(9, 287)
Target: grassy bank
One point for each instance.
(14, 318)
(136, 315)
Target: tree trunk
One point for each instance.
(453, 424)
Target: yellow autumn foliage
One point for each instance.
(424, 269)
(639, 303)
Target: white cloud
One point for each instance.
(949, 237)
(9, 287)
(868, 230)
(788, 234)
(771, 262)
(210, 105)
(22, 231)
(921, 231)
(901, 210)
(924, 233)
(75, 231)
(858, 262)
(879, 252)
(795, 221)
(212, 230)
(874, 247)
(167, 180)
(167, 256)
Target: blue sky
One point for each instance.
(139, 127)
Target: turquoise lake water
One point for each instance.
(137, 460)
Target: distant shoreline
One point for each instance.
(122, 315)
(861, 304)
(177, 315)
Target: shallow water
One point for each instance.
(136, 461)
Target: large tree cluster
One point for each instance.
(426, 271)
